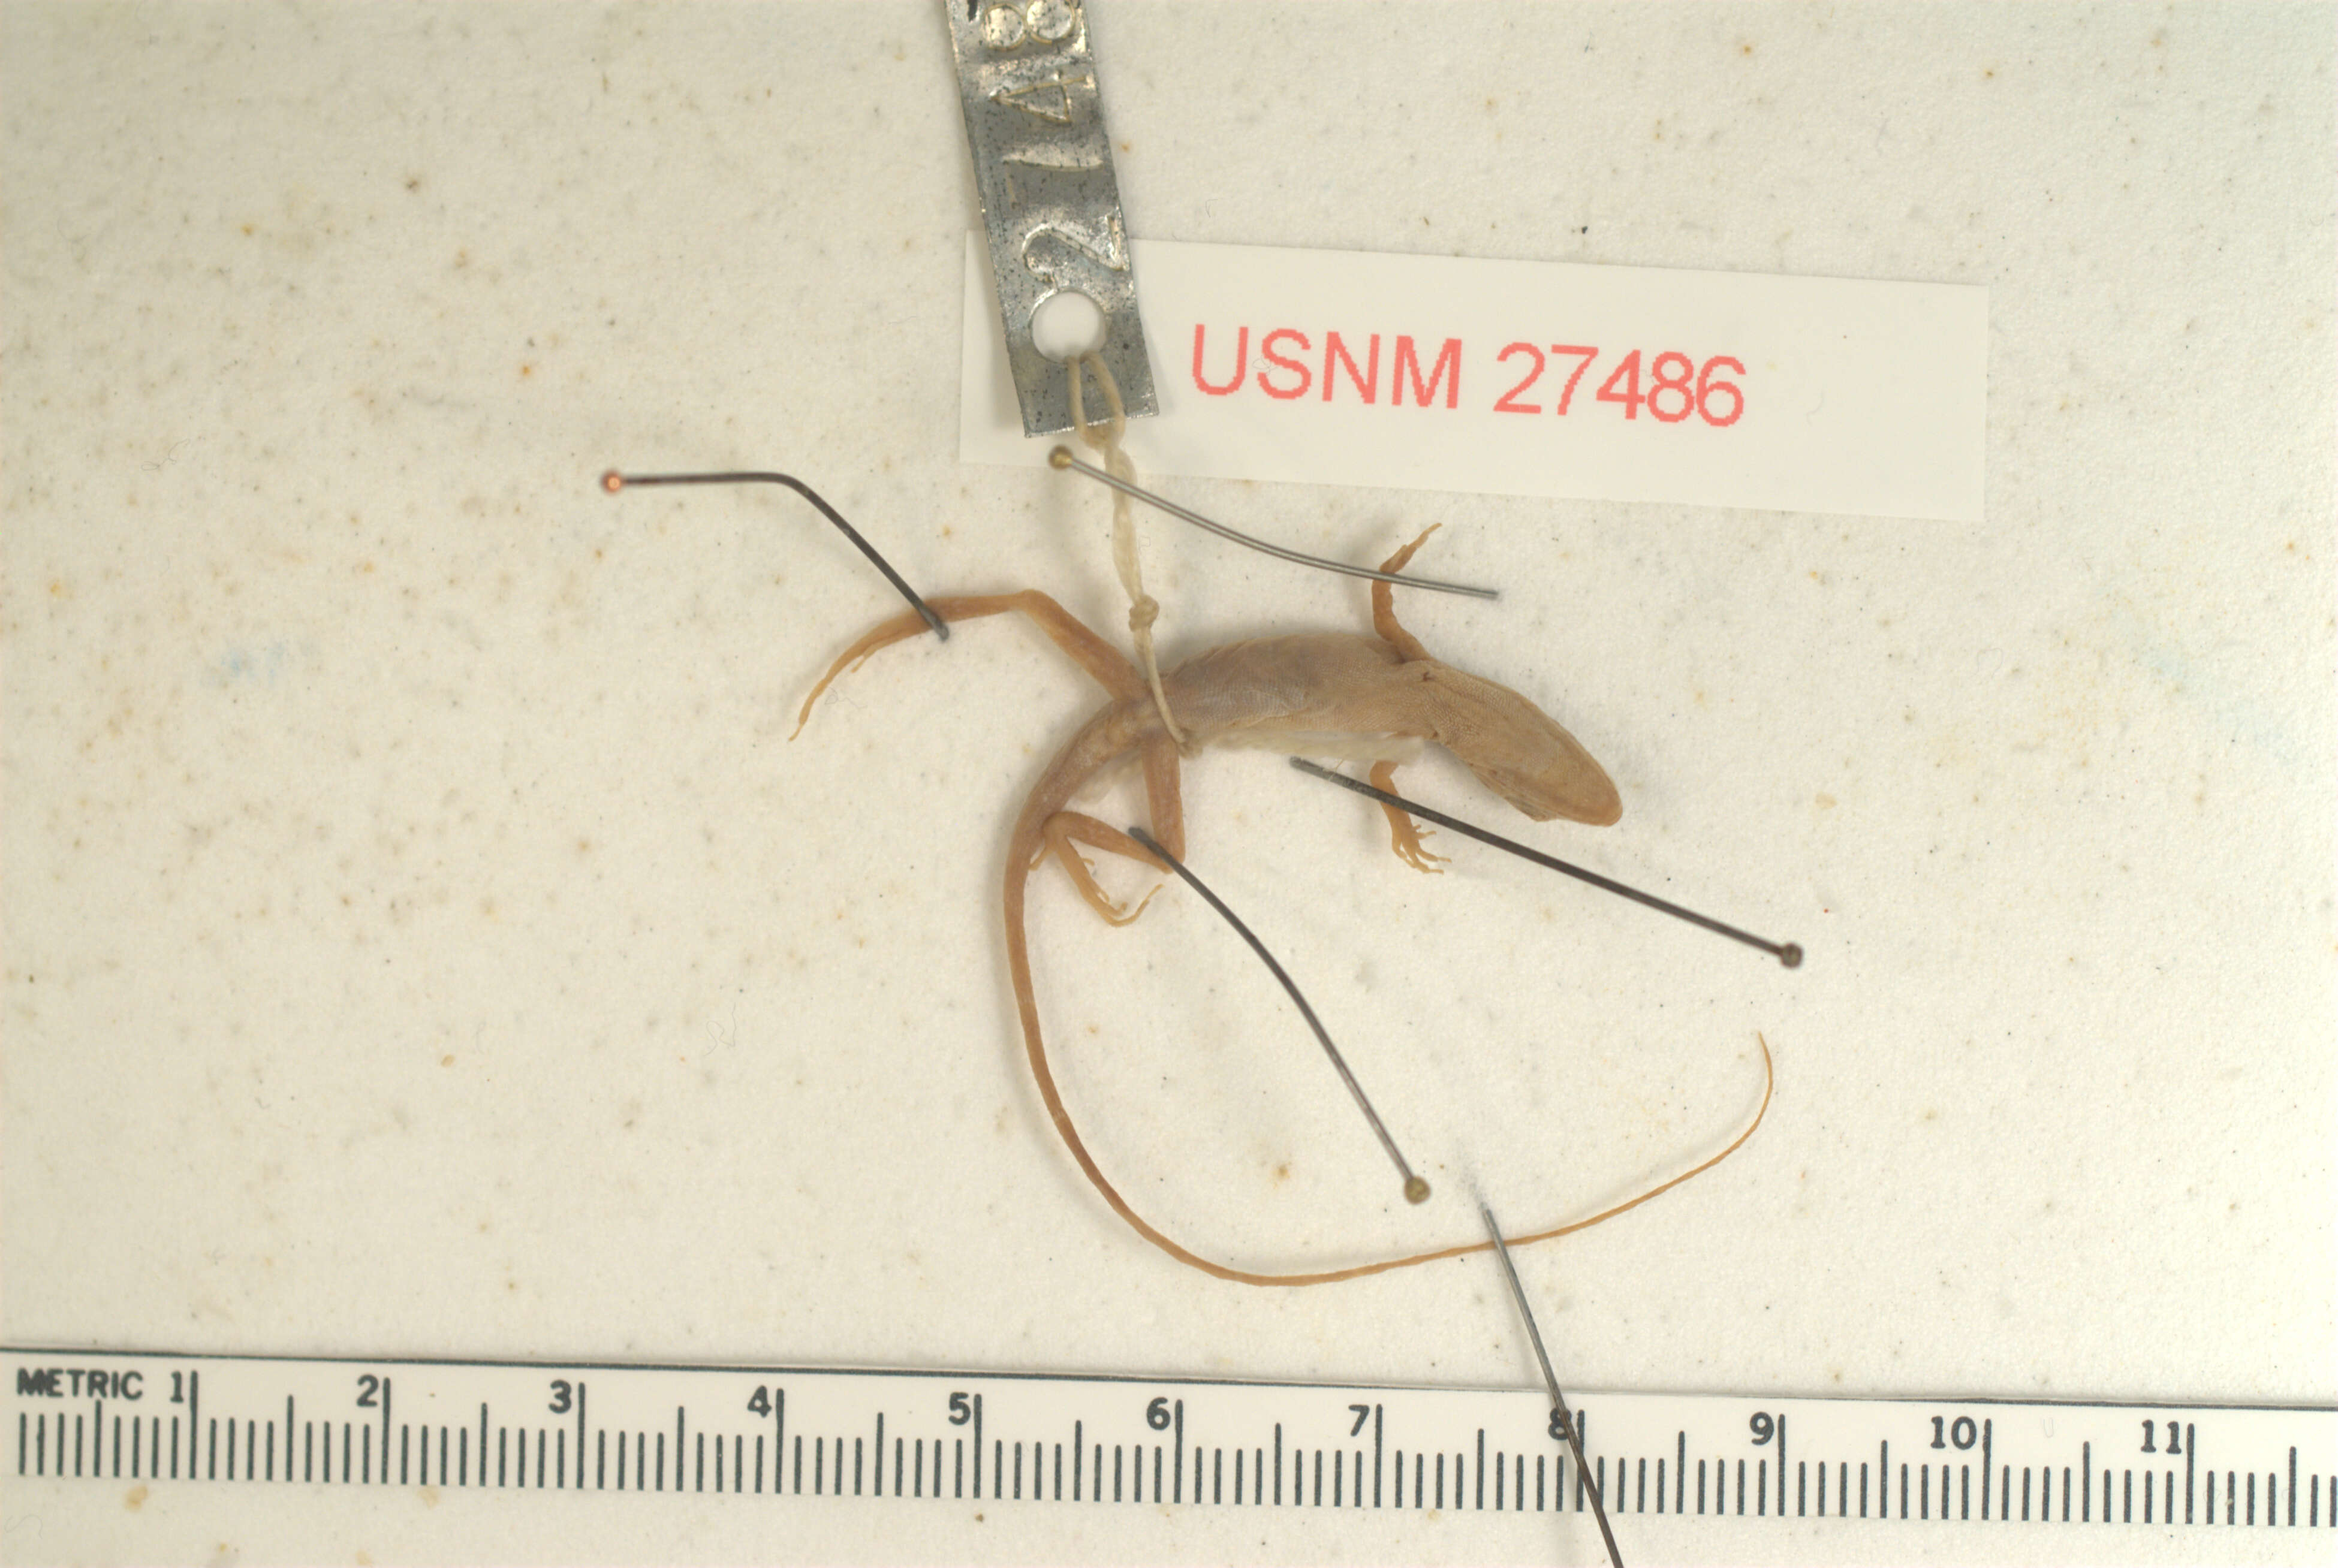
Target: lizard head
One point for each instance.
(1518, 752)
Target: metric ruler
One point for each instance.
(1846, 1476)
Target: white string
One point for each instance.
(1103, 437)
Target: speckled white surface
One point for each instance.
(421, 937)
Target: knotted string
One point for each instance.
(1103, 437)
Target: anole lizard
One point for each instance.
(1293, 692)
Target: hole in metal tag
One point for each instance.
(1067, 326)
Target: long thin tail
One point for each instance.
(1022, 848)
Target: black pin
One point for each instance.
(614, 482)
(1558, 1410)
(1788, 953)
(1416, 1189)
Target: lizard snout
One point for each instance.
(1521, 753)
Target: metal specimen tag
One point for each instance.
(1050, 206)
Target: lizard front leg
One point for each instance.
(1403, 836)
(1384, 620)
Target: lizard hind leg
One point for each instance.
(1404, 838)
(1105, 663)
(1384, 620)
(884, 634)
(1066, 829)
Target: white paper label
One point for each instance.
(1538, 379)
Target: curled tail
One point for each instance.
(1023, 848)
